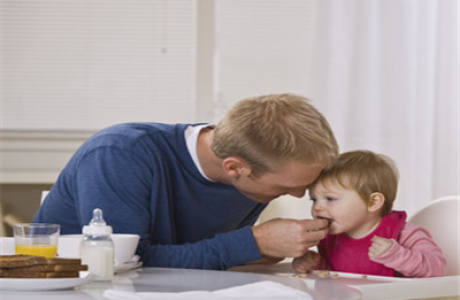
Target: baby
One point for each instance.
(365, 235)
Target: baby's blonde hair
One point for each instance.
(365, 172)
(268, 130)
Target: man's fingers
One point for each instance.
(314, 225)
(315, 236)
(312, 231)
(287, 237)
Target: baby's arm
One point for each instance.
(415, 254)
(308, 262)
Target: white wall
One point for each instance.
(188, 61)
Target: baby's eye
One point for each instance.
(331, 198)
(313, 199)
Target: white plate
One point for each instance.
(43, 284)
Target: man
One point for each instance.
(193, 192)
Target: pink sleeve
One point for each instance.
(415, 254)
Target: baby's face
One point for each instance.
(343, 208)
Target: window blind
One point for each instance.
(83, 65)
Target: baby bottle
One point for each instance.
(97, 249)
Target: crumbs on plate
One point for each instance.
(319, 273)
(299, 275)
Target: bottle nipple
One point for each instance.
(98, 219)
(97, 225)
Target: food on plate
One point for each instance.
(319, 273)
(322, 273)
(28, 266)
(298, 275)
(16, 261)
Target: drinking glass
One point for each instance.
(38, 239)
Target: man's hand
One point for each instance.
(379, 246)
(306, 262)
(288, 238)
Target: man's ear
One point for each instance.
(376, 202)
(234, 167)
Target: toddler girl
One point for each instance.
(365, 235)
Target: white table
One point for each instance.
(179, 280)
(169, 280)
(369, 287)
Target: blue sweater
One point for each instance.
(143, 178)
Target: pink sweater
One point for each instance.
(412, 254)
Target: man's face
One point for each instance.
(288, 179)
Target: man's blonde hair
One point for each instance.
(271, 129)
(365, 172)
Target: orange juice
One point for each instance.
(38, 250)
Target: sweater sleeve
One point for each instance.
(119, 183)
(224, 251)
(415, 254)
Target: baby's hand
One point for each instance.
(379, 246)
(306, 262)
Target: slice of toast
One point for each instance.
(34, 273)
(20, 261)
(62, 274)
(26, 272)
(69, 267)
(66, 264)
(63, 261)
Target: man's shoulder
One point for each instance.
(134, 131)
(138, 129)
(131, 136)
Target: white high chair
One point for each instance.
(441, 217)
(43, 196)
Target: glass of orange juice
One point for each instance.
(38, 239)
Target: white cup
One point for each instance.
(125, 246)
(6, 246)
(69, 246)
